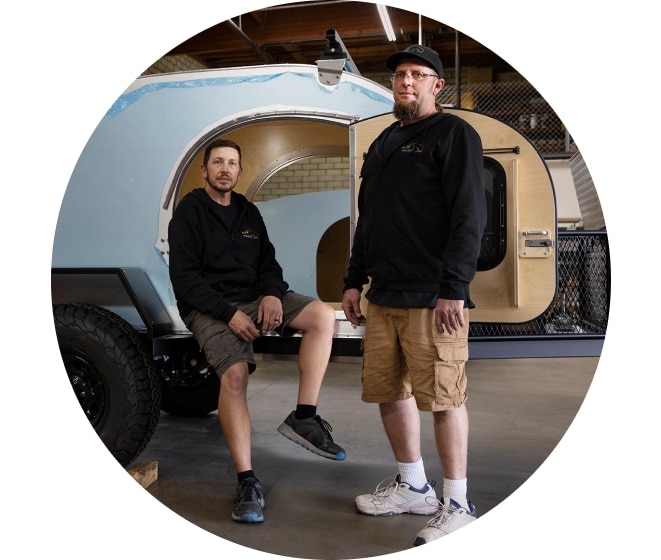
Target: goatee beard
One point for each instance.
(406, 111)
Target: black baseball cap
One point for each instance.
(425, 54)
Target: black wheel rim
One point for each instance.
(87, 383)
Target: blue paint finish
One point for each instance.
(129, 98)
(296, 225)
(111, 210)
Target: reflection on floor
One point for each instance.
(519, 410)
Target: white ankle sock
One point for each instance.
(456, 490)
(413, 474)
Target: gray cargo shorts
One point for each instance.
(223, 348)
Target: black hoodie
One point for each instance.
(212, 265)
(422, 210)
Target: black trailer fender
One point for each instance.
(126, 291)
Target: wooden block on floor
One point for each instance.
(145, 473)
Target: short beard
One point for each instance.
(406, 112)
(219, 189)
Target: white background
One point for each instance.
(65, 63)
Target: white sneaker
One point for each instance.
(392, 496)
(448, 518)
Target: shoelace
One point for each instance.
(246, 492)
(386, 487)
(444, 512)
(325, 426)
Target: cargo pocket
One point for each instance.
(450, 376)
(455, 351)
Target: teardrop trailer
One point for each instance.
(125, 348)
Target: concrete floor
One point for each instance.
(519, 410)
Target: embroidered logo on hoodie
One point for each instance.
(249, 233)
(412, 148)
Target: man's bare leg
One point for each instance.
(451, 433)
(234, 415)
(401, 420)
(317, 324)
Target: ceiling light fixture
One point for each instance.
(385, 21)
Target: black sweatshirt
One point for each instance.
(422, 211)
(212, 265)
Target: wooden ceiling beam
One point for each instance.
(296, 33)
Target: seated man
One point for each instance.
(230, 289)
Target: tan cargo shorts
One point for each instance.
(404, 355)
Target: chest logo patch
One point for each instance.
(249, 233)
(412, 148)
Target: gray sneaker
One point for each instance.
(249, 502)
(313, 434)
(392, 497)
(449, 518)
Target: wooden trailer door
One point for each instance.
(516, 278)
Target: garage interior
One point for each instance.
(521, 402)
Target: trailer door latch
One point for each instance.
(535, 243)
(539, 243)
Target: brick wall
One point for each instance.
(310, 175)
(176, 63)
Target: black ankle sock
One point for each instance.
(246, 474)
(305, 411)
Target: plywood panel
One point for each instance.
(264, 145)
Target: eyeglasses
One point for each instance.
(415, 76)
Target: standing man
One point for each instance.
(230, 289)
(421, 216)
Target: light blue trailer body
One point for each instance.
(114, 213)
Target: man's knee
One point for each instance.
(235, 377)
(326, 318)
(318, 316)
(328, 314)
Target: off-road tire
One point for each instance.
(113, 376)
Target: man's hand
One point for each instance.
(351, 306)
(243, 327)
(449, 315)
(269, 314)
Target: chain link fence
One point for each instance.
(519, 105)
(581, 304)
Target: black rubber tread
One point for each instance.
(94, 336)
